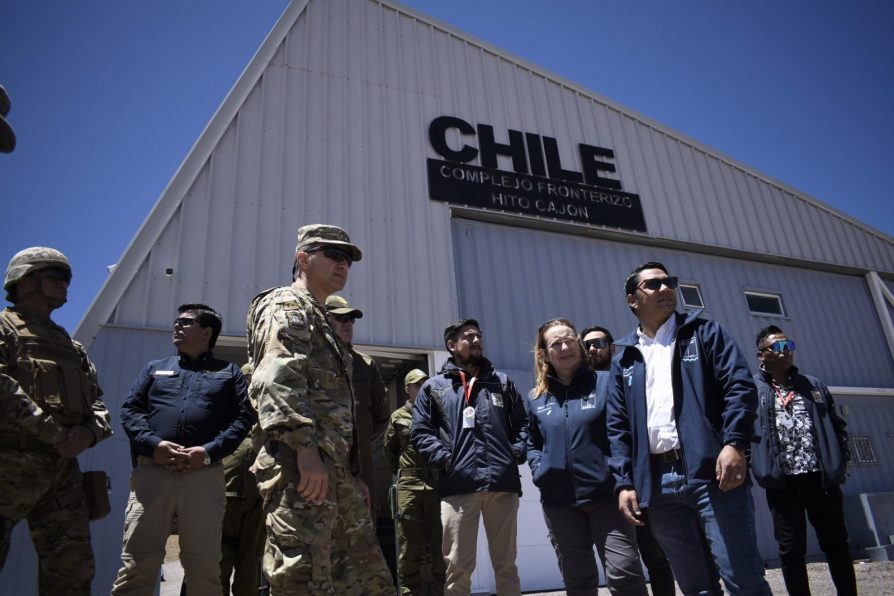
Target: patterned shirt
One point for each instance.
(794, 431)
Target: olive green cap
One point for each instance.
(326, 235)
(336, 305)
(414, 376)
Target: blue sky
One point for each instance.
(109, 96)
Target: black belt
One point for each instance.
(668, 457)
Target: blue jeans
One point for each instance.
(706, 532)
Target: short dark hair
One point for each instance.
(589, 330)
(765, 333)
(632, 280)
(207, 317)
(451, 332)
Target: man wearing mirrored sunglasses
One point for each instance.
(801, 461)
(320, 537)
(681, 411)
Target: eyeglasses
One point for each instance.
(184, 322)
(344, 318)
(56, 274)
(600, 343)
(655, 283)
(783, 345)
(336, 254)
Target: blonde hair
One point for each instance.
(542, 367)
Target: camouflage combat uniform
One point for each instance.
(47, 385)
(371, 414)
(302, 385)
(420, 564)
(243, 523)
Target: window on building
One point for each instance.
(862, 453)
(765, 304)
(691, 296)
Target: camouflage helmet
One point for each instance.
(31, 260)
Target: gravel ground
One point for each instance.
(873, 579)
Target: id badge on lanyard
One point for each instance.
(468, 411)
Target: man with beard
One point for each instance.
(599, 346)
(470, 423)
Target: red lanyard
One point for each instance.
(785, 398)
(467, 391)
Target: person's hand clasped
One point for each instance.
(172, 456)
(76, 441)
(730, 468)
(628, 505)
(314, 477)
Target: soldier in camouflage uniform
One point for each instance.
(420, 565)
(243, 523)
(50, 412)
(371, 414)
(320, 538)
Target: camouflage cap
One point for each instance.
(31, 260)
(337, 305)
(326, 235)
(414, 376)
(7, 135)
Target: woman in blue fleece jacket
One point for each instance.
(568, 452)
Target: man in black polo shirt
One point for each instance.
(183, 415)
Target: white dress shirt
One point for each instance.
(658, 354)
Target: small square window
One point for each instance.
(691, 296)
(765, 304)
(863, 452)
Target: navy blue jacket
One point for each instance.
(480, 459)
(714, 404)
(568, 447)
(201, 402)
(829, 435)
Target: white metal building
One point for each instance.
(478, 185)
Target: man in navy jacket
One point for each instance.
(470, 423)
(801, 459)
(680, 418)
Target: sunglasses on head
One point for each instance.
(655, 283)
(600, 343)
(336, 254)
(783, 345)
(344, 318)
(184, 322)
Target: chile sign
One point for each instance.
(538, 184)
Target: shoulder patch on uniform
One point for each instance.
(296, 319)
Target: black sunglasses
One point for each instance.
(599, 343)
(655, 283)
(336, 254)
(184, 322)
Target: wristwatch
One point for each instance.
(207, 460)
(738, 444)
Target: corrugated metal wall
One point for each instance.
(514, 279)
(336, 131)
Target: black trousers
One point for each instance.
(804, 494)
